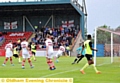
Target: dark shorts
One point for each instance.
(33, 53)
(79, 56)
(15, 55)
(89, 57)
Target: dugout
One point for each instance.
(39, 13)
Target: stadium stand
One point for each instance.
(61, 34)
(61, 18)
(14, 36)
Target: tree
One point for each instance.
(116, 37)
(117, 29)
(102, 36)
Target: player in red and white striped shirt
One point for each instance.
(60, 52)
(9, 53)
(25, 53)
(49, 52)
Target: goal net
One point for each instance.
(110, 51)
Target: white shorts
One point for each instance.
(50, 55)
(59, 53)
(9, 54)
(25, 55)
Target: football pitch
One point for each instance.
(110, 73)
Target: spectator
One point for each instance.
(36, 29)
(66, 30)
(59, 32)
(69, 38)
(50, 31)
(64, 38)
(54, 33)
(55, 46)
(59, 35)
(55, 39)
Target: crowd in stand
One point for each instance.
(66, 35)
(60, 35)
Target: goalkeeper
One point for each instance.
(79, 55)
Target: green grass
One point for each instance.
(64, 69)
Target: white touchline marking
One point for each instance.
(103, 64)
(58, 73)
(67, 71)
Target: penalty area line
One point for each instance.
(103, 64)
(57, 73)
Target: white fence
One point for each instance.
(42, 53)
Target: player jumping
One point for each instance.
(60, 52)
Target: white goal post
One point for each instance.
(95, 42)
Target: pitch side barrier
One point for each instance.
(42, 52)
(39, 53)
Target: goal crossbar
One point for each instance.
(103, 29)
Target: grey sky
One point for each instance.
(102, 12)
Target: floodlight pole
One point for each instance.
(95, 43)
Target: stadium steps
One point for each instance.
(78, 40)
(1, 42)
(33, 35)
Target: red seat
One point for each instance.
(15, 38)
